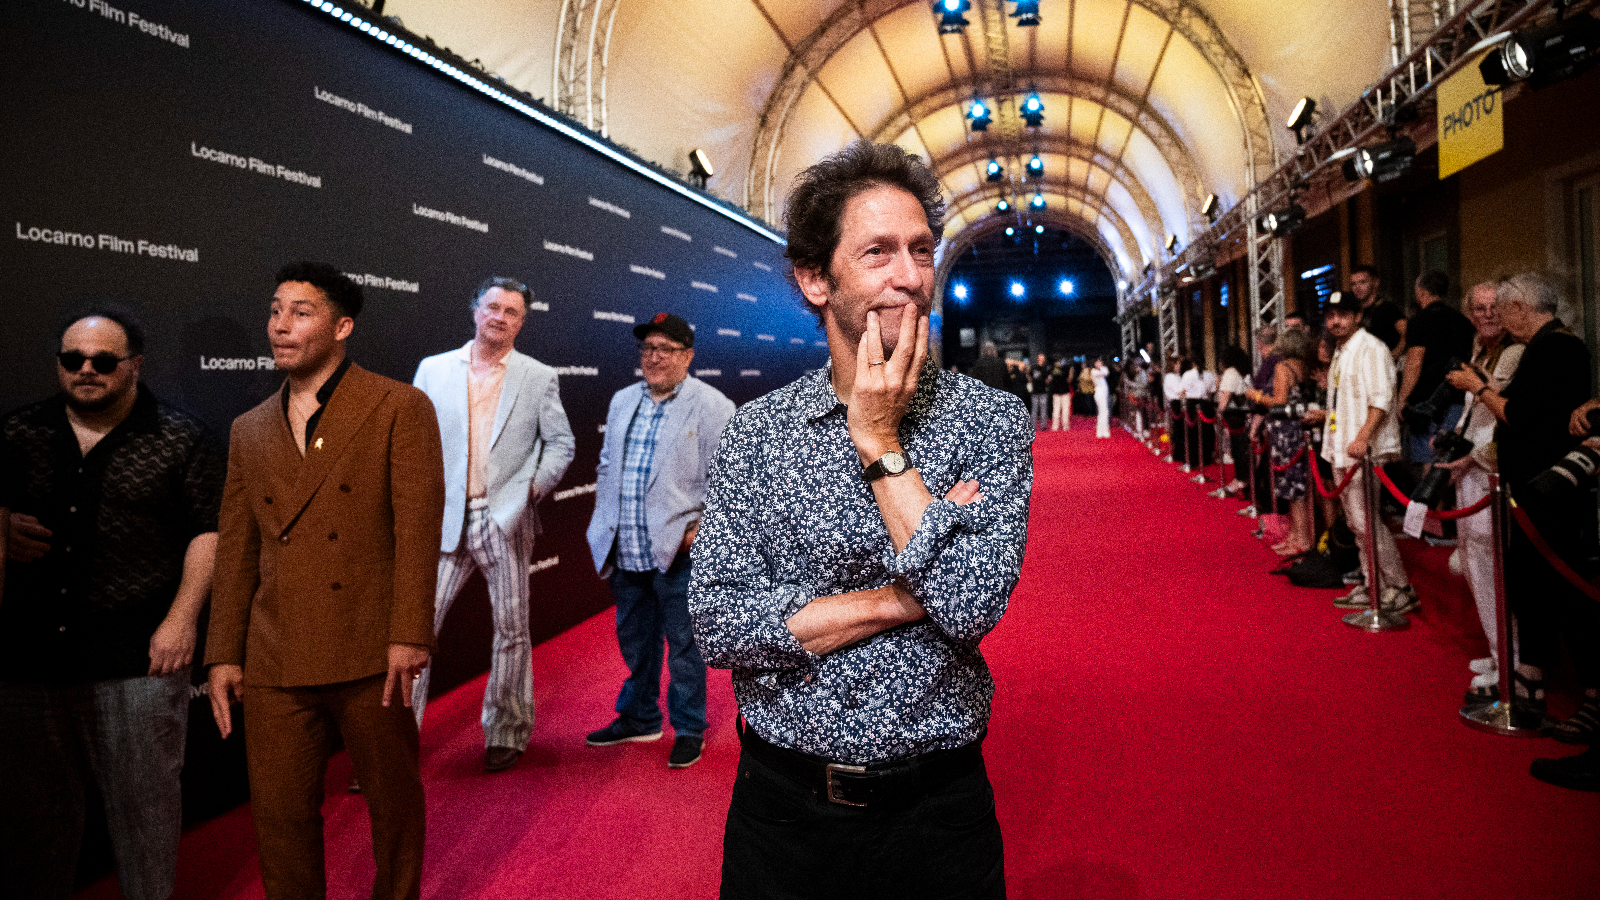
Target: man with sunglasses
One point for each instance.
(114, 496)
(506, 445)
(661, 435)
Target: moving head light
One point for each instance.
(1381, 162)
(1545, 54)
(1283, 222)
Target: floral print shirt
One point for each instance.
(788, 519)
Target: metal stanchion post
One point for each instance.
(1166, 425)
(1503, 716)
(1220, 430)
(1374, 618)
(1251, 483)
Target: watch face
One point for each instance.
(894, 463)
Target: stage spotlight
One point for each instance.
(1002, 206)
(1026, 13)
(1300, 119)
(994, 171)
(1283, 222)
(1017, 290)
(1036, 167)
(1065, 287)
(980, 116)
(950, 19)
(699, 168)
(1122, 284)
(1172, 243)
(1038, 229)
(959, 291)
(1545, 55)
(1037, 202)
(1209, 208)
(1381, 162)
(1011, 231)
(1033, 110)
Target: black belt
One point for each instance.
(896, 782)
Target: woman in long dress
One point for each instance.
(1102, 399)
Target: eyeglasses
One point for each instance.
(648, 350)
(104, 363)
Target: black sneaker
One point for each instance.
(620, 732)
(685, 752)
(1578, 773)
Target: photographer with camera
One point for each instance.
(1287, 435)
(1493, 354)
(1435, 336)
(1548, 474)
(1360, 423)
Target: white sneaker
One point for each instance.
(1490, 678)
(1482, 666)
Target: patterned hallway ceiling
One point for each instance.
(1149, 105)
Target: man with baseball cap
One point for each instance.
(1361, 423)
(661, 434)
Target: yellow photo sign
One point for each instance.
(1471, 120)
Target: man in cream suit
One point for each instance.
(661, 434)
(506, 445)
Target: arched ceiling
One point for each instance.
(1150, 105)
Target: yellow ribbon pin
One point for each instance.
(317, 443)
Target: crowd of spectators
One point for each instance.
(1438, 402)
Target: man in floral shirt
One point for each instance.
(864, 528)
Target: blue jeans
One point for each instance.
(651, 606)
(125, 733)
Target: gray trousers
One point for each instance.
(127, 734)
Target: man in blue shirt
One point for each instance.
(650, 490)
(864, 528)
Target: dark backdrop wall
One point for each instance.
(175, 154)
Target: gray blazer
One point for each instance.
(677, 491)
(530, 445)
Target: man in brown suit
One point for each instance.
(322, 609)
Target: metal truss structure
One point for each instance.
(1406, 91)
(583, 46)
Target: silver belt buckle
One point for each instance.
(849, 770)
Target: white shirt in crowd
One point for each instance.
(1232, 382)
(1172, 386)
(1480, 421)
(1209, 379)
(1362, 377)
(1194, 385)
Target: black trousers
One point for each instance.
(1549, 610)
(783, 841)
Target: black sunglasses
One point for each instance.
(104, 363)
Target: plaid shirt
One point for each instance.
(638, 456)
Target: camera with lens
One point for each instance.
(1425, 417)
(1447, 448)
(1292, 412)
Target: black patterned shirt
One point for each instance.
(789, 519)
(122, 518)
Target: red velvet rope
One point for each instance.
(1538, 542)
(1292, 461)
(1462, 513)
(1203, 417)
(1316, 475)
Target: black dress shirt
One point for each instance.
(324, 394)
(122, 519)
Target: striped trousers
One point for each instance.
(503, 559)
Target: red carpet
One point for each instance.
(1170, 722)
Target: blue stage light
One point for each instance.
(1002, 206)
(980, 116)
(959, 291)
(994, 170)
(1038, 201)
(1066, 287)
(1017, 290)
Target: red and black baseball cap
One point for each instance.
(669, 325)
